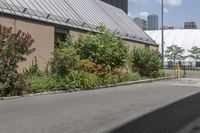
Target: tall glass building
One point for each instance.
(152, 22)
(123, 4)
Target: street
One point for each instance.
(169, 106)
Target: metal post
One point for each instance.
(162, 28)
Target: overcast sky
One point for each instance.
(176, 11)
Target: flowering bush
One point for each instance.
(13, 48)
(99, 69)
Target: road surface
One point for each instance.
(161, 107)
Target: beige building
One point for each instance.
(47, 24)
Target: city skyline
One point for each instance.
(140, 22)
(176, 11)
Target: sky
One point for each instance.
(176, 11)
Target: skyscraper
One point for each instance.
(190, 25)
(152, 22)
(141, 23)
(122, 4)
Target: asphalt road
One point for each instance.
(162, 107)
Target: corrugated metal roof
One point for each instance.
(83, 14)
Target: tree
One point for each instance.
(174, 53)
(13, 49)
(195, 53)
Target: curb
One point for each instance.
(76, 90)
(146, 81)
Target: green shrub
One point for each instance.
(121, 77)
(147, 62)
(67, 41)
(45, 83)
(83, 80)
(111, 79)
(102, 48)
(13, 49)
(33, 69)
(161, 73)
(41, 83)
(64, 60)
(130, 62)
(131, 76)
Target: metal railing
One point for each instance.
(183, 67)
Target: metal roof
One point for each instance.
(82, 14)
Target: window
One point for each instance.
(60, 35)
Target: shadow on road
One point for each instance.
(169, 119)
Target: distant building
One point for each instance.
(190, 25)
(141, 23)
(168, 27)
(152, 22)
(122, 4)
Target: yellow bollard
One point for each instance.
(178, 70)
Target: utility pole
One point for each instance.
(162, 28)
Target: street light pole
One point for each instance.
(162, 28)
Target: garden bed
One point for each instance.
(100, 87)
(92, 61)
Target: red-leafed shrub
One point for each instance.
(13, 49)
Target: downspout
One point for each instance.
(14, 26)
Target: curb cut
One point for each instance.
(76, 90)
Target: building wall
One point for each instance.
(130, 44)
(154, 48)
(75, 34)
(44, 40)
(43, 36)
(7, 22)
